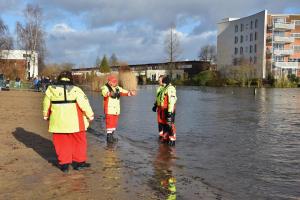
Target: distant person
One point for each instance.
(17, 82)
(7, 83)
(36, 84)
(157, 106)
(68, 110)
(166, 114)
(111, 93)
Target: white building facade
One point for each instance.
(30, 58)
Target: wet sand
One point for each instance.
(28, 161)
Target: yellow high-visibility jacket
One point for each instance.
(168, 98)
(112, 105)
(67, 108)
(159, 92)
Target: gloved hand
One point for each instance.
(154, 108)
(169, 118)
(115, 94)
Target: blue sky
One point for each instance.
(79, 31)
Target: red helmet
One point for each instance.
(112, 79)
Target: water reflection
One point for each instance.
(163, 175)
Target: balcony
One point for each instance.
(283, 39)
(287, 65)
(283, 51)
(284, 26)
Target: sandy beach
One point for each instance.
(28, 159)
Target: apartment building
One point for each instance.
(270, 43)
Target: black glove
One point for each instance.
(169, 118)
(154, 108)
(116, 94)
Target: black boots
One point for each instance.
(171, 143)
(64, 168)
(76, 166)
(110, 138)
(80, 165)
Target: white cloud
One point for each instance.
(135, 29)
(62, 28)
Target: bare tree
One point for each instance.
(172, 45)
(6, 42)
(208, 53)
(30, 36)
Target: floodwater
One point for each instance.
(231, 144)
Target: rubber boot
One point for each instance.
(81, 165)
(64, 168)
(171, 143)
(110, 138)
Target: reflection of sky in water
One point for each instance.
(236, 144)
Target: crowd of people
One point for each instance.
(68, 111)
(41, 83)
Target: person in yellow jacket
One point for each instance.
(69, 112)
(111, 93)
(157, 106)
(167, 102)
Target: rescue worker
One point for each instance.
(167, 113)
(157, 106)
(111, 93)
(69, 112)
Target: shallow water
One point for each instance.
(230, 142)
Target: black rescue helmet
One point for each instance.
(65, 76)
(166, 80)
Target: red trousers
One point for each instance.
(70, 147)
(111, 122)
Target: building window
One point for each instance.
(250, 51)
(296, 48)
(255, 49)
(279, 19)
(278, 58)
(295, 35)
(235, 51)
(241, 39)
(242, 27)
(251, 36)
(278, 33)
(236, 39)
(297, 22)
(255, 36)
(254, 60)
(235, 61)
(236, 28)
(250, 59)
(241, 50)
(251, 25)
(256, 23)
